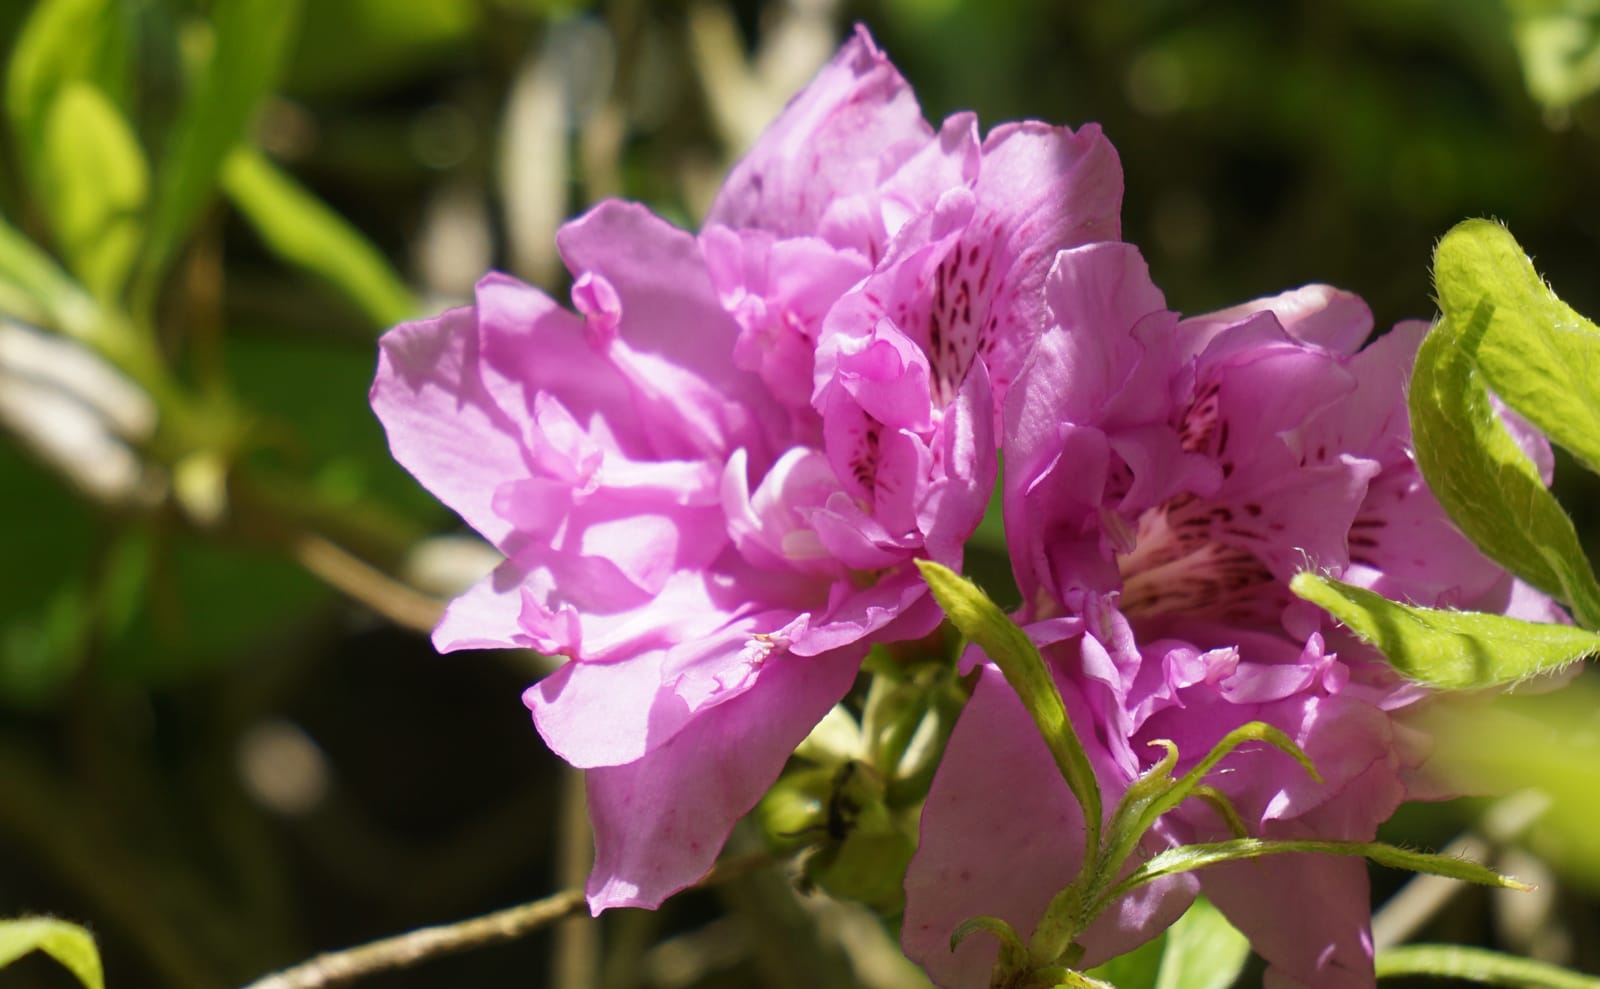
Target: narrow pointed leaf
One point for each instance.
(1533, 350)
(1485, 481)
(37, 291)
(1453, 649)
(68, 944)
(982, 621)
(304, 231)
(251, 46)
(1187, 858)
(1455, 961)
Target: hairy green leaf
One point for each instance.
(302, 230)
(68, 944)
(1455, 961)
(982, 621)
(1533, 350)
(1448, 648)
(95, 185)
(1485, 481)
(251, 42)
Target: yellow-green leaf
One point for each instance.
(302, 230)
(95, 185)
(1533, 350)
(1483, 478)
(68, 944)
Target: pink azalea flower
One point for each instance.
(1164, 480)
(711, 481)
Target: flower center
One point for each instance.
(1183, 564)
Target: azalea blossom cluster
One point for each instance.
(712, 477)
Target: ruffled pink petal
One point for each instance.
(955, 502)
(1041, 190)
(648, 299)
(1316, 314)
(487, 615)
(660, 821)
(452, 421)
(836, 141)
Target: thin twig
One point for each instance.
(336, 566)
(405, 950)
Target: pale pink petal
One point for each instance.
(660, 822)
(445, 413)
(836, 141)
(1002, 835)
(648, 298)
(1307, 915)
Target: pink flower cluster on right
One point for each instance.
(1164, 480)
(712, 480)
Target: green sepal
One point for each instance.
(1452, 649)
(1013, 953)
(1188, 858)
(1156, 792)
(1224, 807)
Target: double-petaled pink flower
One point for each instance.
(711, 481)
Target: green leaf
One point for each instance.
(981, 621)
(1454, 649)
(34, 289)
(251, 43)
(95, 185)
(1187, 858)
(1203, 951)
(65, 41)
(1484, 480)
(1138, 969)
(1533, 350)
(1454, 961)
(68, 944)
(302, 230)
